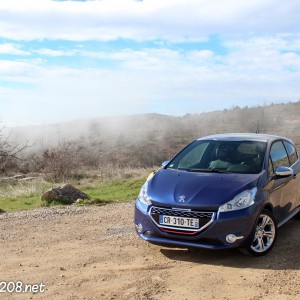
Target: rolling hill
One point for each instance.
(148, 139)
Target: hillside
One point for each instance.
(147, 140)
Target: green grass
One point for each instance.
(26, 195)
(21, 196)
(19, 203)
(115, 190)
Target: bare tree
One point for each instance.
(8, 151)
(61, 161)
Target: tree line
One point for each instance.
(140, 141)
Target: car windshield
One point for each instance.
(245, 157)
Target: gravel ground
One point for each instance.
(93, 252)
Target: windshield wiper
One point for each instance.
(201, 170)
(183, 169)
(207, 170)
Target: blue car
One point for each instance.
(222, 191)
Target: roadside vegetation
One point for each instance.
(19, 196)
(110, 158)
(27, 195)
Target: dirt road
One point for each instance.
(94, 253)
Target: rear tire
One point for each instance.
(265, 235)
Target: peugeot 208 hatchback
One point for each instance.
(222, 191)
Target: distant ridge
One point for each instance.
(160, 136)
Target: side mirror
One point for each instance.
(165, 163)
(283, 172)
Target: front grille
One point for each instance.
(205, 218)
(181, 213)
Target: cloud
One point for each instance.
(165, 56)
(281, 42)
(12, 49)
(55, 53)
(175, 20)
(146, 80)
(23, 70)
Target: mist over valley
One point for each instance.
(146, 140)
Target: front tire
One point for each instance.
(265, 235)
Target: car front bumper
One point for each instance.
(239, 223)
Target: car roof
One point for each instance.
(243, 136)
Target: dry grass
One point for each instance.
(14, 188)
(120, 173)
(109, 185)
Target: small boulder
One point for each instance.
(65, 194)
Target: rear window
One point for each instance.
(292, 153)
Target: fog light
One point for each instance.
(139, 227)
(231, 238)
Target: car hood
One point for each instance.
(174, 188)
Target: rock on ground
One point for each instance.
(65, 194)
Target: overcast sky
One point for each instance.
(66, 60)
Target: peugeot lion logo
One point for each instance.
(182, 198)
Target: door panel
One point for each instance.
(284, 191)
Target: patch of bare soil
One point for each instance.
(94, 253)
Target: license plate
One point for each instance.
(179, 221)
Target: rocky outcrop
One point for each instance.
(65, 194)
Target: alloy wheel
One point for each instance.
(264, 234)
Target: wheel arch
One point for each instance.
(268, 207)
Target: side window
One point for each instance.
(291, 152)
(279, 156)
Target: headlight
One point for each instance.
(150, 176)
(242, 200)
(143, 196)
